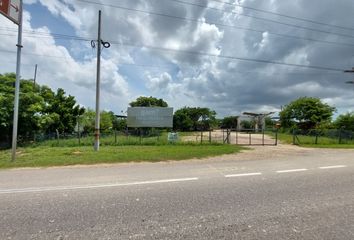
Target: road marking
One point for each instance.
(243, 175)
(292, 170)
(330, 167)
(46, 189)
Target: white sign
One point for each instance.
(11, 9)
(150, 117)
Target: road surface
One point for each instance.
(268, 193)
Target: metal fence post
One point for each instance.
(228, 135)
(209, 136)
(57, 135)
(115, 136)
(340, 136)
(276, 137)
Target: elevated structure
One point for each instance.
(259, 119)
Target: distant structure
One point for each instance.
(259, 119)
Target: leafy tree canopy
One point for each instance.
(148, 102)
(87, 121)
(193, 119)
(345, 121)
(306, 113)
(229, 122)
(40, 111)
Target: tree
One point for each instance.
(40, 109)
(148, 102)
(345, 121)
(87, 121)
(306, 113)
(193, 119)
(229, 122)
(247, 124)
(60, 111)
(30, 108)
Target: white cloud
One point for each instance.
(226, 85)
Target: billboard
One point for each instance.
(150, 117)
(11, 9)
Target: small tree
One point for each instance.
(246, 124)
(229, 122)
(306, 113)
(345, 121)
(193, 119)
(88, 121)
(148, 102)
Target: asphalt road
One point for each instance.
(308, 195)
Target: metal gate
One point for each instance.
(247, 137)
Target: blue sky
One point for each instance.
(190, 55)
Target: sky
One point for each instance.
(232, 56)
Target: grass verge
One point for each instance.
(309, 141)
(44, 156)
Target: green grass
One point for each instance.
(44, 156)
(110, 140)
(309, 141)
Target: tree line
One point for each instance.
(44, 111)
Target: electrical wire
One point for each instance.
(283, 15)
(232, 57)
(215, 23)
(264, 61)
(64, 36)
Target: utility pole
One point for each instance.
(98, 80)
(98, 76)
(17, 83)
(35, 77)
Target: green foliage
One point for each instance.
(306, 113)
(87, 121)
(269, 122)
(345, 121)
(60, 111)
(148, 102)
(229, 122)
(40, 110)
(245, 124)
(193, 119)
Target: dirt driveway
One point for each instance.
(281, 151)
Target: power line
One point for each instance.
(264, 61)
(64, 36)
(284, 15)
(33, 54)
(215, 23)
(232, 57)
(259, 18)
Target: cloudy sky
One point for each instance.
(229, 55)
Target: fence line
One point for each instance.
(322, 136)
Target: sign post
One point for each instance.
(12, 9)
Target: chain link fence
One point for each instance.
(267, 137)
(322, 136)
(150, 137)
